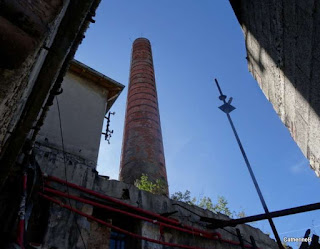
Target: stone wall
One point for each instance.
(32, 26)
(283, 52)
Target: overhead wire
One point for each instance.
(66, 174)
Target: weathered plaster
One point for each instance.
(82, 108)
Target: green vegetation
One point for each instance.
(285, 246)
(158, 188)
(205, 202)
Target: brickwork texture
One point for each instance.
(142, 148)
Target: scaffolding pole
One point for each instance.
(227, 108)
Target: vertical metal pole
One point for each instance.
(274, 230)
(240, 239)
(305, 245)
(315, 242)
(253, 242)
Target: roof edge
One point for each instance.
(114, 88)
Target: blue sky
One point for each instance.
(194, 42)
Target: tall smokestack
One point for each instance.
(142, 147)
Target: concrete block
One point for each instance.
(301, 133)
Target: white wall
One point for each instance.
(82, 107)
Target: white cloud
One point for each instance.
(299, 167)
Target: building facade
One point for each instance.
(78, 208)
(38, 39)
(282, 43)
(51, 117)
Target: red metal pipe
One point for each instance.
(20, 233)
(126, 213)
(123, 231)
(55, 179)
(22, 211)
(171, 221)
(117, 228)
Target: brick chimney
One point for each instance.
(142, 147)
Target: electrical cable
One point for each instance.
(65, 172)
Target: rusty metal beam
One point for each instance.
(217, 223)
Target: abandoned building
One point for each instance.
(110, 213)
(282, 43)
(51, 193)
(67, 204)
(38, 40)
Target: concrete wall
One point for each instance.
(82, 105)
(63, 233)
(160, 204)
(187, 217)
(82, 108)
(283, 51)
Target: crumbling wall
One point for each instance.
(63, 225)
(76, 169)
(25, 27)
(187, 214)
(62, 231)
(99, 236)
(283, 50)
(152, 231)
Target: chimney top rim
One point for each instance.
(141, 39)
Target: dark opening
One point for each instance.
(119, 240)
